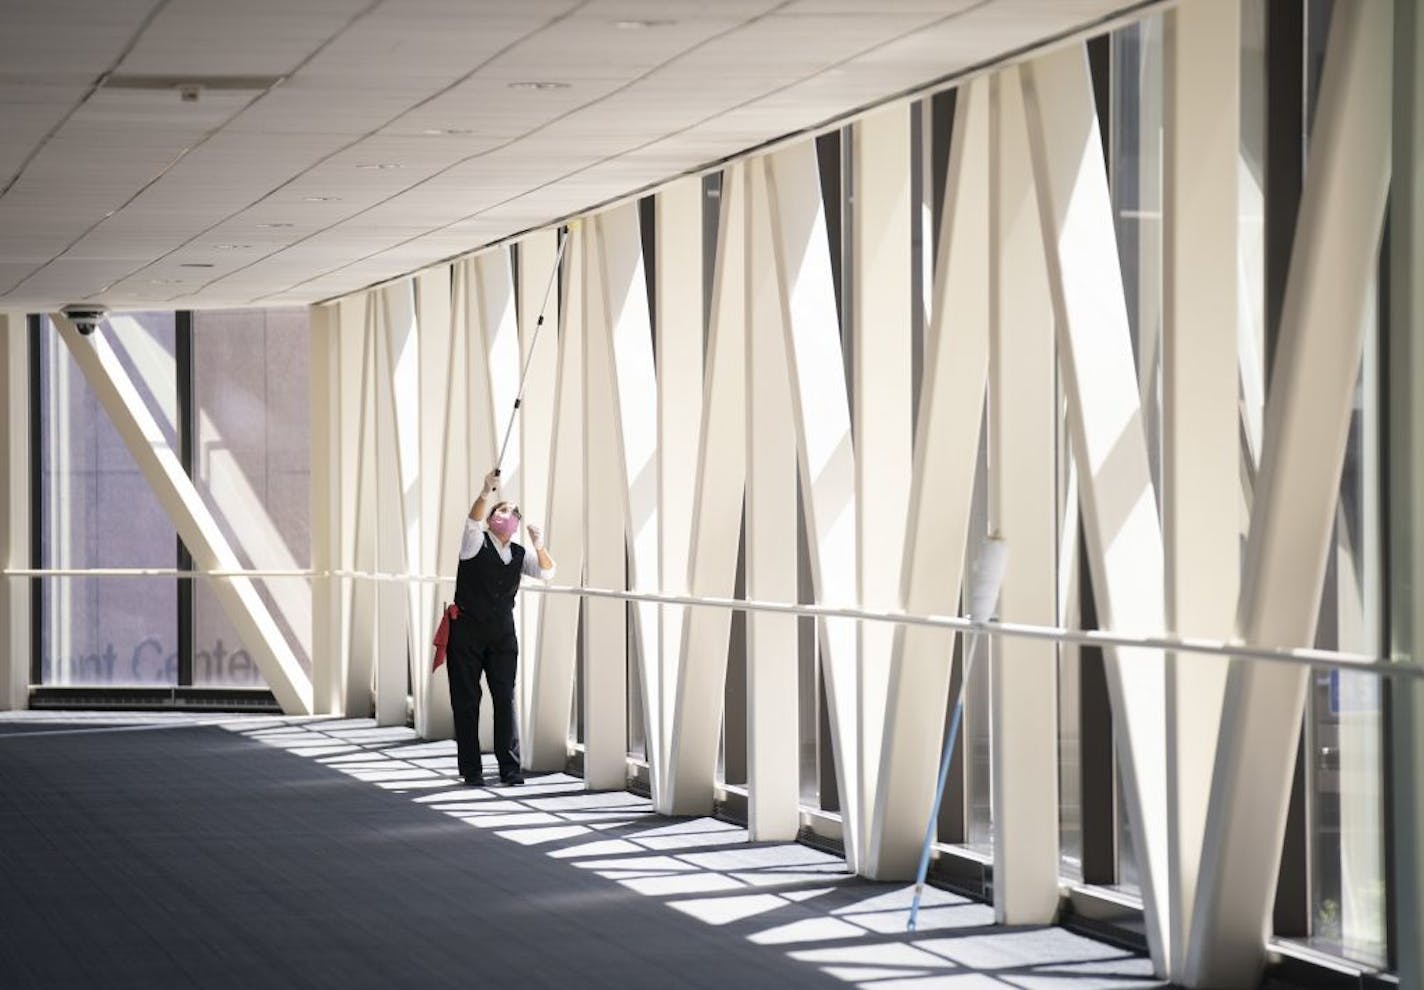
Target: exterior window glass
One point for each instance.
(1344, 732)
(1343, 722)
(252, 467)
(98, 511)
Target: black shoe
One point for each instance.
(475, 780)
(512, 780)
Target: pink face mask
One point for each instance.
(504, 525)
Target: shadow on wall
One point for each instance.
(785, 895)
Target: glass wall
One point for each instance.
(97, 511)
(252, 467)
(1344, 720)
(250, 460)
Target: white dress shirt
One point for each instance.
(474, 541)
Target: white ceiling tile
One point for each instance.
(264, 184)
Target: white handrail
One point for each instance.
(216, 572)
(1299, 656)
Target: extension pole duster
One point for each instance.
(524, 371)
(984, 583)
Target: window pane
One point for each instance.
(1345, 731)
(98, 511)
(252, 467)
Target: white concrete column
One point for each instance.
(546, 743)
(880, 273)
(328, 656)
(1406, 580)
(15, 535)
(827, 458)
(1201, 460)
(716, 522)
(1120, 524)
(438, 378)
(174, 490)
(1333, 266)
(1022, 512)
(773, 740)
(678, 331)
(605, 634)
(941, 493)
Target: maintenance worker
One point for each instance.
(482, 637)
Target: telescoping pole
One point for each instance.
(524, 371)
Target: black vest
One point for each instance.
(485, 585)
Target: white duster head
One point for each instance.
(987, 577)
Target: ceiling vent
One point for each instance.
(190, 89)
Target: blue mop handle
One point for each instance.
(944, 762)
(986, 579)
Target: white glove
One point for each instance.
(536, 536)
(491, 483)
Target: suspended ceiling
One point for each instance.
(206, 153)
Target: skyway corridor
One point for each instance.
(154, 851)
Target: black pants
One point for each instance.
(491, 649)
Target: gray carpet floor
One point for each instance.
(178, 852)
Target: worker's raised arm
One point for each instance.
(480, 509)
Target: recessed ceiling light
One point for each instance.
(273, 226)
(165, 281)
(380, 165)
(540, 84)
(196, 264)
(440, 131)
(638, 25)
(231, 247)
(321, 199)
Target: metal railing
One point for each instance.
(1296, 656)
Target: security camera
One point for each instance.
(85, 318)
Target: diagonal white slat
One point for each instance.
(678, 295)
(439, 536)
(356, 599)
(361, 637)
(497, 368)
(164, 473)
(941, 494)
(1332, 272)
(880, 148)
(632, 386)
(1023, 512)
(605, 626)
(389, 522)
(493, 377)
(1120, 521)
(716, 516)
(1201, 460)
(455, 470)
(773, 751)
(403, 361)
(816, 363)
(551, 703)
(539, 352)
